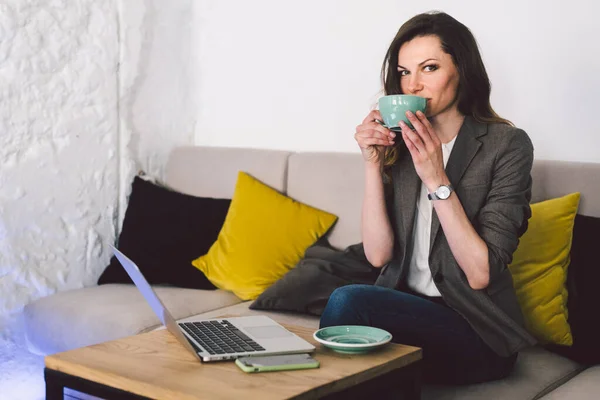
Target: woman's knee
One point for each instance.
(347, 295)
(343, 307)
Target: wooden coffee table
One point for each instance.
(154, 365)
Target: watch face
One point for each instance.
(443, 192)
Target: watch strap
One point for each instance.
(434, 196)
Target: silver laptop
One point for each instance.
(220, 339)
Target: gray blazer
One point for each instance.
(489, 168)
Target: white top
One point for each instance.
(419, 277)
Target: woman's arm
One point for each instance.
(501, 221)
(504, 217)
(483, 253)
(376, 230)
(469, 250)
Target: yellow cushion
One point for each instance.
(539, 269)
(265, 234)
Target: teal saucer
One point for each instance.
(352, 339)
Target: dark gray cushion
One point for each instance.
(307, 287)
(536, 373)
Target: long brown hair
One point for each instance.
(457, 40)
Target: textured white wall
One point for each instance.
(157, 80)
(90, 92)
(72, 76)
(58, 136)
(302, 75)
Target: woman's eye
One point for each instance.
(403, 72)
(430, 67)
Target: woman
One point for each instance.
(443, 210)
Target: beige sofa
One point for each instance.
(329, 181)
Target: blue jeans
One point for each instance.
(453, 353)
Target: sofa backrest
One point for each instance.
(334, 182)
(212, 171)
(557, 178)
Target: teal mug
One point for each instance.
(393, 108)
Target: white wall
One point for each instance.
(90, 92)
(58, 131)
(58, 161)
(78, 119)
(302, 75)
(157, 79)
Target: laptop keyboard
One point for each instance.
(220, 337)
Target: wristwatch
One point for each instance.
(442, 193)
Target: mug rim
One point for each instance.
(404, 95)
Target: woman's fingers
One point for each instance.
(366, 138)
(414, 137)
(372, 116)
(377, 142)
(420, 129)
(434, 138)
(372, 137)
(375, 128)
(370, 123)
(373, 133)
(414, 152)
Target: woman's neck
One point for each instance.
(447, 124)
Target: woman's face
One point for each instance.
(427, 71)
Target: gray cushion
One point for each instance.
(536, 373)
(83, 317)
(307, 287)
(585, 386)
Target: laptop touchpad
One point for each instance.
(267, 332)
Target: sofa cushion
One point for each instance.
(553, 178)
(584, 275)
(243, 309)
(83, 317)
(539, 269)
(584, 386)
(332, 182)
(265, 234)
(308, 286)
(212, 171)
(162, 231)
(537, 372)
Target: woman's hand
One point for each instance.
(425, 149)
(372, 138)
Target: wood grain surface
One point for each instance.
(155, 365)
